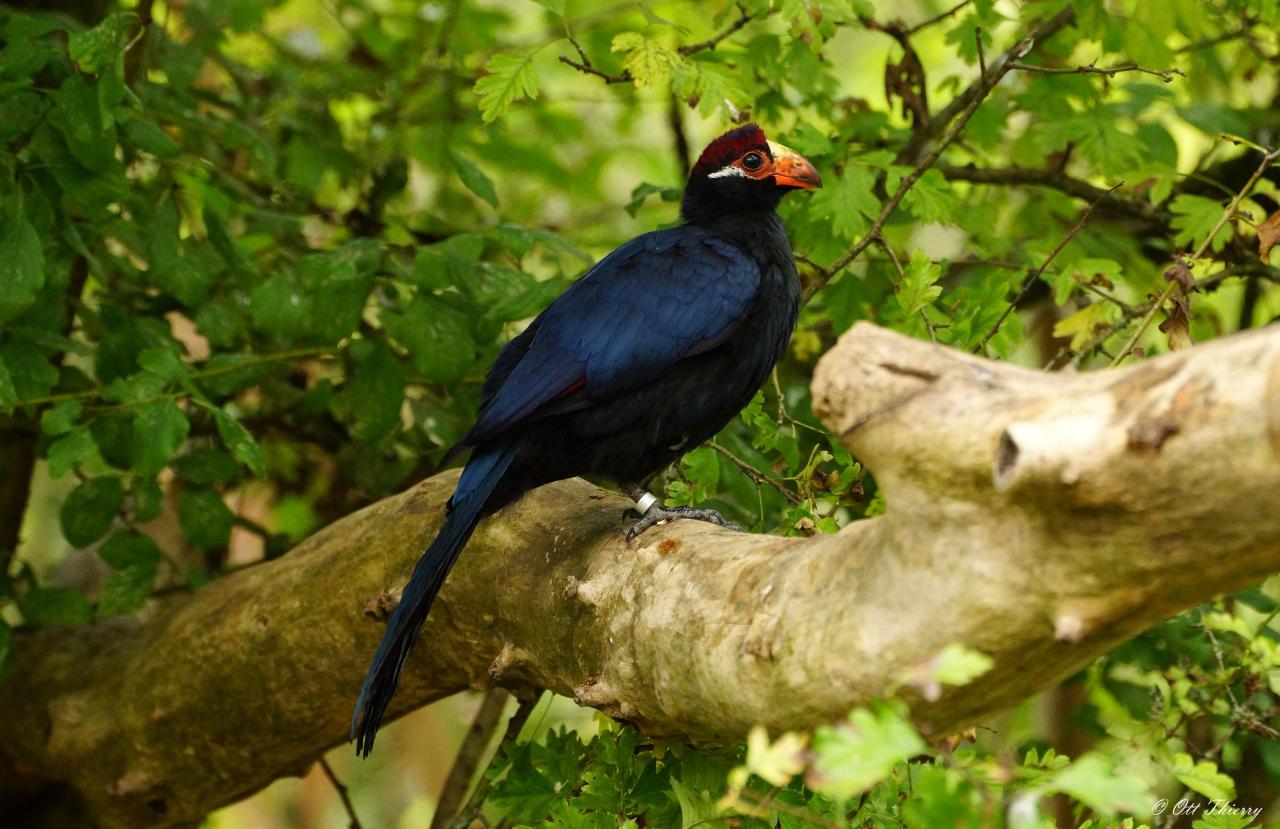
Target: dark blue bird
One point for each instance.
(645, 357)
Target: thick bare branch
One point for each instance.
(1057, 180)
(1040, 518)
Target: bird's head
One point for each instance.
(743, 170)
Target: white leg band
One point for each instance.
(644, 502)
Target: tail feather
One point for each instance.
(477, 483)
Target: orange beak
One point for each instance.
(790, 169)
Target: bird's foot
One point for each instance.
(657, 514)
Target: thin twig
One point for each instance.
(469, 755)
(353, 822)
(1165, 75)
(744, 17)
(583, 64)
(1230, 211)
(201, 374)
(475, 803)
(982, 53)
(983, 86)
(938, 18)
(1035, 275)
(755, 474)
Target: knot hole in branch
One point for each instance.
(1006, 459)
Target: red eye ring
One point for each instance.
(752, 161)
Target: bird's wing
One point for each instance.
(657, 299)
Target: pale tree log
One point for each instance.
(1039, 518)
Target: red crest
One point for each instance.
(731, 146)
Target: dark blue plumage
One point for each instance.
(645, 357)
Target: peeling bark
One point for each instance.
(1040, 518)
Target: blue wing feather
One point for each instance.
(641, 309)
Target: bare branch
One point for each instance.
(1058, 181)
(981, 87)
(353, 822)
(938, 18)
(744, 17)
(755, 474)
(475, 803)
(1031, 278)
(1166, 75)
(915, 146)
(1053, 515)
(451, 802)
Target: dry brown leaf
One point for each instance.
(1268, 235)
(1177, 324)
(1180, 273)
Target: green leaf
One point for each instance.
(99, 47)
(205, 519)
(954, 665)
(848, 202)
(775, 762)
(1080, 325)
(241, 443)
(1093, 780)
(30, 372)
(644, 191)
(138, 387)
(61, 417)
(695, 809)
(280, 309)
(1194, 217)
(207, 466)
(437, 337)
(649, 62)
(70, 451)
(162, 362)
(1225, 819)
(90, 137)
(369, 402)
(508, 76)
(852, 757)
(147, 498)
(21, 266)
(55, 606)
(1203, 777)
(931, 199)
(474, 178)
(158, 430)
(135, 558)
(958, 665)
(90, 509)
(525, 794)
(942, 797)
(918, 287)
(338, 283)
(182, 268)
(149, 137)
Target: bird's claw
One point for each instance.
(657, 514)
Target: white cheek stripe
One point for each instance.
(728, 171)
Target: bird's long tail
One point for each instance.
(482, 474)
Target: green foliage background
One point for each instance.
(256, 256)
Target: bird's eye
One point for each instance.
(752, 161)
